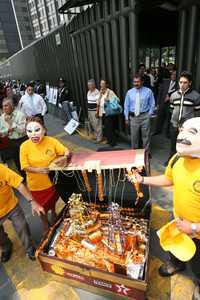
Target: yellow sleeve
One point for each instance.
(168, 171)
(12, 178)
(60, 148)
(24, 157)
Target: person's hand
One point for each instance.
(167, 98)
(63, 161)
(137, 177)
(43, 170)
(7, 118)
(184, 226)
(97, 115)
(10, 131)
(36, 208)
(127, 123)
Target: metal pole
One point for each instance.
(17, 24)
(133, 31)
(181, 42)
(197, 77)
(191, 36)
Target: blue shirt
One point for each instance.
(147, 101)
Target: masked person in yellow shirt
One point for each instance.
(183, 173)
(10, 209)
(36, 154)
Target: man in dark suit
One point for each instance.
(64, 98)
(167, 87)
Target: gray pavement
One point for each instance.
(160, 148)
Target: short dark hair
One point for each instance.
(138, 76)
(31, 84)
(106, 81)
(141, 65)
(35, 119)
(187, 75)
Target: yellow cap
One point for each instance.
(178, 243)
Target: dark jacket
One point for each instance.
(163, 91)
(185, 106)
(64, 95)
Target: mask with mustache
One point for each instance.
(188, 140)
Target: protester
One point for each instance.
(110, 121)
(11, 210)
(139, 105)
(183, 173)
(32, 104)
(64, 98)
(35, 156)
(185, 104)
(92, 98)
(12, 126)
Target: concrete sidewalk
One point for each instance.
(26, 280)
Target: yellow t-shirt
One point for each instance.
(39, 156)
(185, 175)
(8, 179)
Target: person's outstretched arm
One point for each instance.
(160, 180)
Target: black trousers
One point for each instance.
(164, 114)
(194, 262)
(110, 124)
(173, 136)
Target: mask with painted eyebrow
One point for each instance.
(188, 140)
(35, 132)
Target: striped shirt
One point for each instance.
(185, 105)
(92, 97)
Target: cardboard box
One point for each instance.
(112, 285)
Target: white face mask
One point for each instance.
(35, 132)
(188, 140)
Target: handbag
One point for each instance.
(112, 107)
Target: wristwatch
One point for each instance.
(194, 229)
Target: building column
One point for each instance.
(181, 41)
(133, 32)
(197, 64)
(192, 22)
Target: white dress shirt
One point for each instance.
(32, 105)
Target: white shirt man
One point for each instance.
(32, 104)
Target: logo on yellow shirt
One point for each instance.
(196, 186)
(49, 152)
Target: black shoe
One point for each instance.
(30, 253)
(196, 293)
(169, 269)
(6, 255)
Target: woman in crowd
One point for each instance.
(110, 122)
(36, 154)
